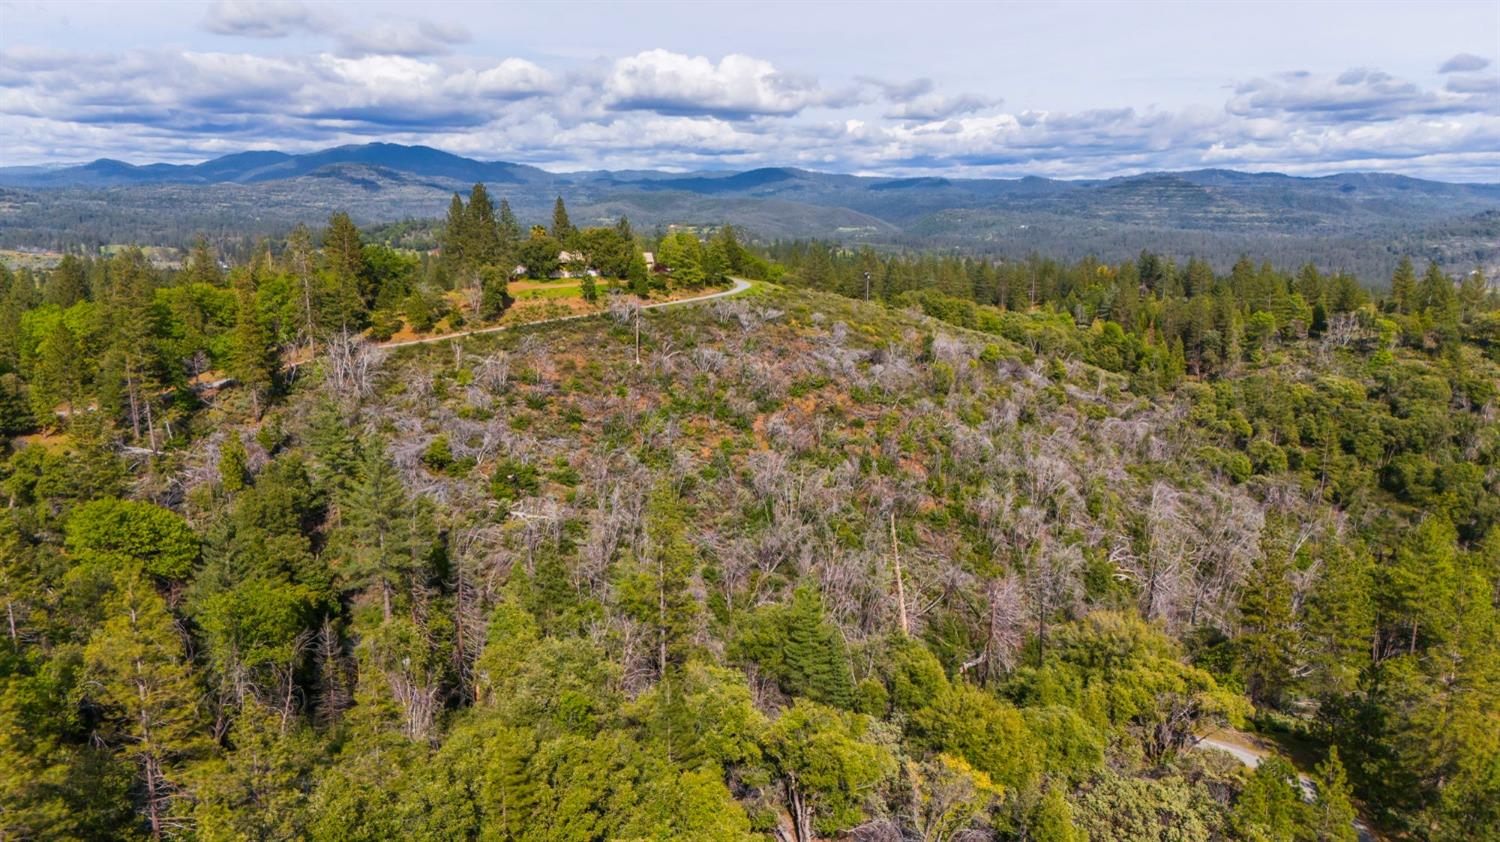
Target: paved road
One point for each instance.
(739, 287)
(1251, 757)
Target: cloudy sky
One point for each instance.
(1056, 89)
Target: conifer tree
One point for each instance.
(455, 236)
(55, 380)
(334, 444)
(507, 791)
(482, 243)
(203, 266)
(1473, 292)
(796, 645)
(509, 227)
(637, 274)
(342, 246)
(562, 228)
(138, 674)
(1404, 287)
(378, 537)
(260, 789)
(252, 358)
(1334, 821)
(817, 664)
(233, 464)
(135, 348)
(715, 262)
(66, 284)
(351, 284)
(1436, 297)
(98, 470)
(1268, 638)
(657, 590)
(299, 261)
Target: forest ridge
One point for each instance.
(890, 546)
(1359, 222)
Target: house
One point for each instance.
(574, 265)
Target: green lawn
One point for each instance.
(560, 291)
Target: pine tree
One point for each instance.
(333, 443)
(658, 588)
(252, 358)
(507, 791)
(734, 253)
(55, 380)
(377, 529)
(637, 274)
(260, 789)
(509, 237)
(509, 227)
(342, 245)
(816, 661)
(1404, 287)
(562, 229)
(139, 675)
(66, 284)
(455, 237)
(135, 347)
(299, 261)
(482, 243)
(203, 266)
(1334, 820)
(1270, 807)
(234, 468)
(22, 587)
(343, 252)
(715, 262)
(1436, 297)
(1268, 629)
(96, 467)
(1473, 292)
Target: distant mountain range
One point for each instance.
(1351, 220)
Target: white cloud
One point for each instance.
(935, 106)
(738, 86)
(1356, 95)
(425, 38)
(663, 109)
(261, 18)
(512, 78)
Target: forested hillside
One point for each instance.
(1357, 222)
(979, 558)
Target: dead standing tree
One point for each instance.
(351, 364)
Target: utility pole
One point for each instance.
(900, 586)
(637, 334)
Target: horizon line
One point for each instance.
(669, 170)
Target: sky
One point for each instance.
(1067, 90)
